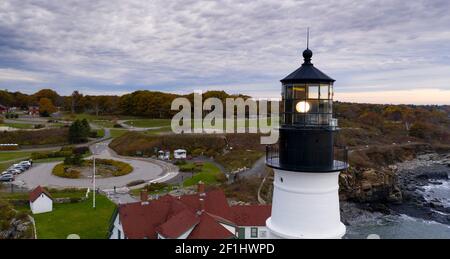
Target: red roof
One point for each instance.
(251, 215)
(36, 193)
(203, 213)
(178, 224)
(208, 228)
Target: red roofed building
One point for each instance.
(197, 216)
(3, 109)
(40, 201)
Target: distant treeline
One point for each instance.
(149, 104)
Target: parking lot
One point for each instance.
(13, 171)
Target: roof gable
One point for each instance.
(36, 193)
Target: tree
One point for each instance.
(79, 131)
(46, 107)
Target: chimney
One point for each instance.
(144, 197)
(201, 188)
(202, 207)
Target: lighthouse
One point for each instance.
(305, 161)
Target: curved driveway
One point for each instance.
(143, 169)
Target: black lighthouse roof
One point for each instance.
(307, 73)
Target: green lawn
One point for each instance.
(148, 123)
(67, 193)
(159, 131)
(115, 133)
(76, 218)
(103, 123)
(208, 175)
(13, 155)
(19, 125)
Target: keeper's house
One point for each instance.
(204, 215)
(40, 201)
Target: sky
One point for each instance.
(384, 51)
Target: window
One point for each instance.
(324, 92)
(313, 92)
(254, 232)
(299, 92)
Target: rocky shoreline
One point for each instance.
(416, 180)
(405, 188)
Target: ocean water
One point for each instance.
(400, 227)
(406, 227)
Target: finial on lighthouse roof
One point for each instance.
(307, 54)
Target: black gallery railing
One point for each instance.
(339, 163)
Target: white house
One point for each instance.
(180, 154)
(204, 215)
(40, 201)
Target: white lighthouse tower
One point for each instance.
(306, 162)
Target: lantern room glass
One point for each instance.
(307, 104)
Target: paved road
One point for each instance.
(146, 170)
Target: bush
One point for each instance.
(134, 183)
(81, 150)
(155, 187)
(61, 170)
(54, 154)
(180, 162)
(75, 159)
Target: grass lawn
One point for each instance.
(19, 125)
(208, 175)
(115, 133)
(159, 131)
(67, 193)
(13, 155)
(148, 123)
(76, 218)
(103, 123)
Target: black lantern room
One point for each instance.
(308, 128)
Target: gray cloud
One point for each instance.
(227, 44)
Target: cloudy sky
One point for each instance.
(389, 51)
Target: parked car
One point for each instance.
(18, 168)
(13, 171)
(26, 163)
(6, 178)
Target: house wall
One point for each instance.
(263, 232)
(232, 229)
(41, 205)
(117, 232)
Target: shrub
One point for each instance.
(63, 171)
(134, 183)
(81, 150)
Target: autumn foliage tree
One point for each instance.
(46, 107)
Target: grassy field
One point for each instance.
(209, 175)
(13, 155)
(76, 218)
(93, 117)
(162, 130)
(67, 193)
(18, 125)
(148, 123)
(115, 133)
(7, 158)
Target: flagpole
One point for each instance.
(93, 182)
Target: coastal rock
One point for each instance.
(369, 185)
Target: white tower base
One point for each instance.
(305, 205)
